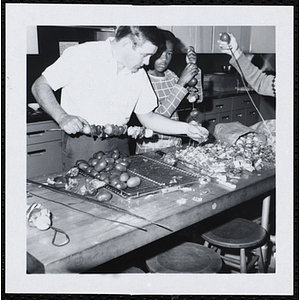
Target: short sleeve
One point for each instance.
(61, 72)
(147, 100)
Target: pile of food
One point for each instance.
(101, 169)
(248, 153)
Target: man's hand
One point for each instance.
(72, 124)
(197, 133)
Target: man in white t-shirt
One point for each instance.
(104, 82)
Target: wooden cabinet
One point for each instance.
(251, 39)
(231, 109)
(262, 39)
(44, 149)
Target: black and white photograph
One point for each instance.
(152, 149)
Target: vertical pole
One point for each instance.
(243, 266)
(265, 224)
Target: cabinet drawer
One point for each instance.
(239, 116)
(37, 132)
(244, 101)
(211, 120)
(225, 117)
(44, 158)
(221, 105)
(252, 116)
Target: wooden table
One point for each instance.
(94, 241)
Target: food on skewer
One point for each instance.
(109, 130)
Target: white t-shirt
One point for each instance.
(92, 88)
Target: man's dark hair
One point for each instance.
(140, 34)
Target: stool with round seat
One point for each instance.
(185, 258)
(239, 234)
(133, 270)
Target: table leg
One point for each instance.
(265, 223)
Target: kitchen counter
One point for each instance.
(94, 241)
(37, 116)
(217, 95)
(213, 95)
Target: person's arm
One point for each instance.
(262, 83)
(161, 124)
(44, 95)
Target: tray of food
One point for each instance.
(129, 177)
(155, 175)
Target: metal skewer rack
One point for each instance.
(155, 176)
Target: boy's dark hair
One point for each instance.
(140, 34)
(166, 36)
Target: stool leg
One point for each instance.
(243, 260)
(260, 262)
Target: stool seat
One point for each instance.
(133, 270)
(237, 233)
(186, 258)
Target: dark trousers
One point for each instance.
(81, 146)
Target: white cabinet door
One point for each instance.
(187, 35)
(251, 39)
(216, 36)
(204, 36)
(241, 33)
(244, 42)
(262, 39)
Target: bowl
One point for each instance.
(228, 69)
(34, 106)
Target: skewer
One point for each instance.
(106, 205)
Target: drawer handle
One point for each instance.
(35, 133)
(247, 102)
(212, 120)
(239, 115)
(225, 118)
(36, 152)
(219, 106)
(252, 113)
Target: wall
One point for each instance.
(32, 40)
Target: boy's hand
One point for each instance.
(187, 74)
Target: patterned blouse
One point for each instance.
(169, 95)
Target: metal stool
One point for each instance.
(239, 234)
(186, 258)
